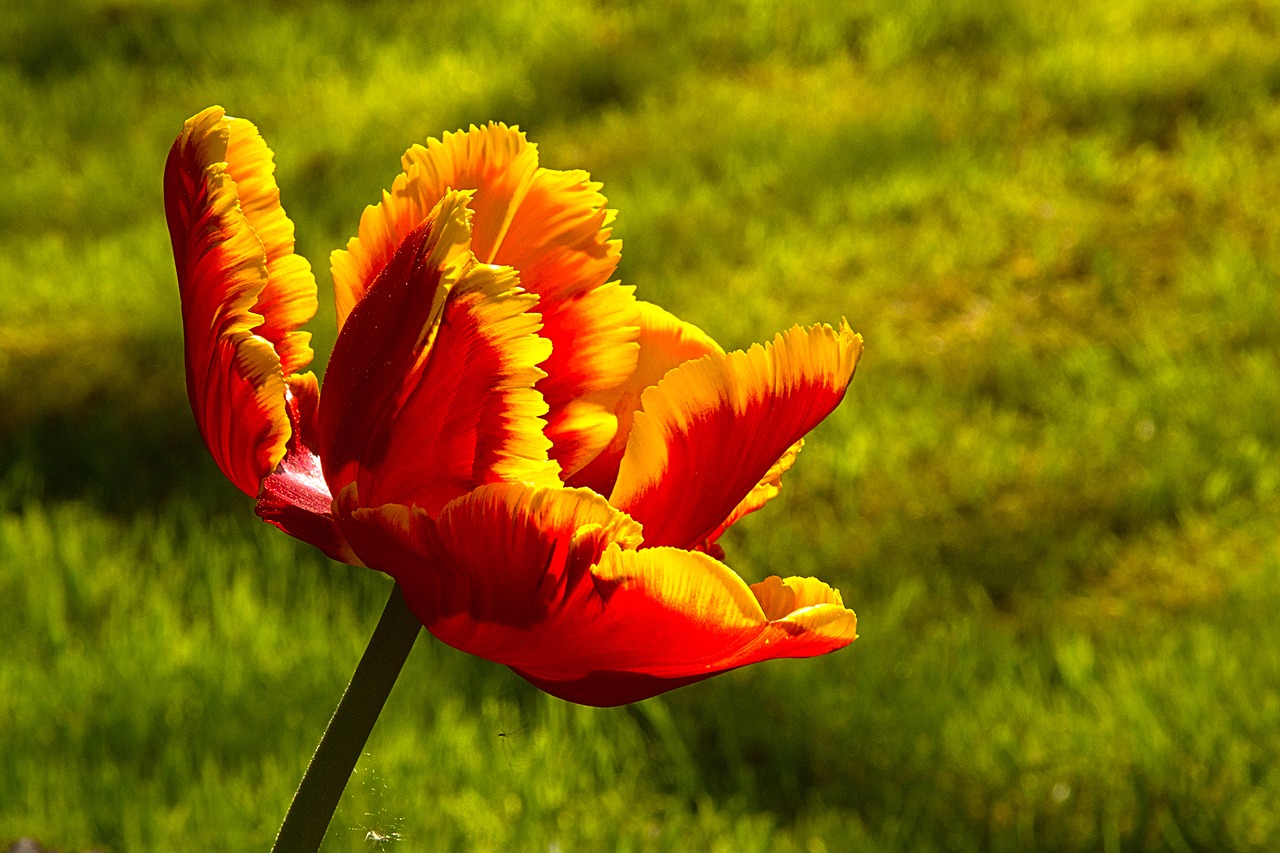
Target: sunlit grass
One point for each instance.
(1051, 494)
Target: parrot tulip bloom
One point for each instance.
(541, 462)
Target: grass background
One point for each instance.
(1051, 495)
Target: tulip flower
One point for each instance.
(543, 463)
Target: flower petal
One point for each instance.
(395, 539)
(560, 241)
(593, 352)
(430, 386)
(518, 559)
(244, 293)
(763, 492)
(553, 227)
(712, 429)
(548, 582)
(289, 300)
(496, 161)
(675, 617)
(295, 497)
(501, 561)
(665, 342)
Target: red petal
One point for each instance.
(392, 538)
(680, 617)
(710, 431)
(546, 581)
(430, 387)
(244, 292)
(763, 492)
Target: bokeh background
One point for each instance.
(1051, 494)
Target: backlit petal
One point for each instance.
(548, 582)
(665, 341)
(430, 386)
(553, 228)
(289, 299)
(501, 561)
(560, 241)
(496, 161)
(244, 293)
(712, 429)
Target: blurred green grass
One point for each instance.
(1051, 495)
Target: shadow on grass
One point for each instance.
(103, 421)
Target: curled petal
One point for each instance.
(430, 387)
(548, 582)
(712, 429)
(244, 292)
(763, 492)
(500, 561)
(665, 341)
(288, 300)
(520, 559)
(553, 228)
(295, 497)
(699, 619)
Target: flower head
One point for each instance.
(541, 461)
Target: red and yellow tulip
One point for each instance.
(542, 462)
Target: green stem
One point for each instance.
(344, 738)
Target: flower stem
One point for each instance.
(344, 738)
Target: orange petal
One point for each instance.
(519, 556)
(289, 299)
(712, 429)
(554, 229)
(295, 497)
(430, 387)
(244, 293)
(665, 341)
(496, 161)
(551, 225)
(547, 582)
(559, 240)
